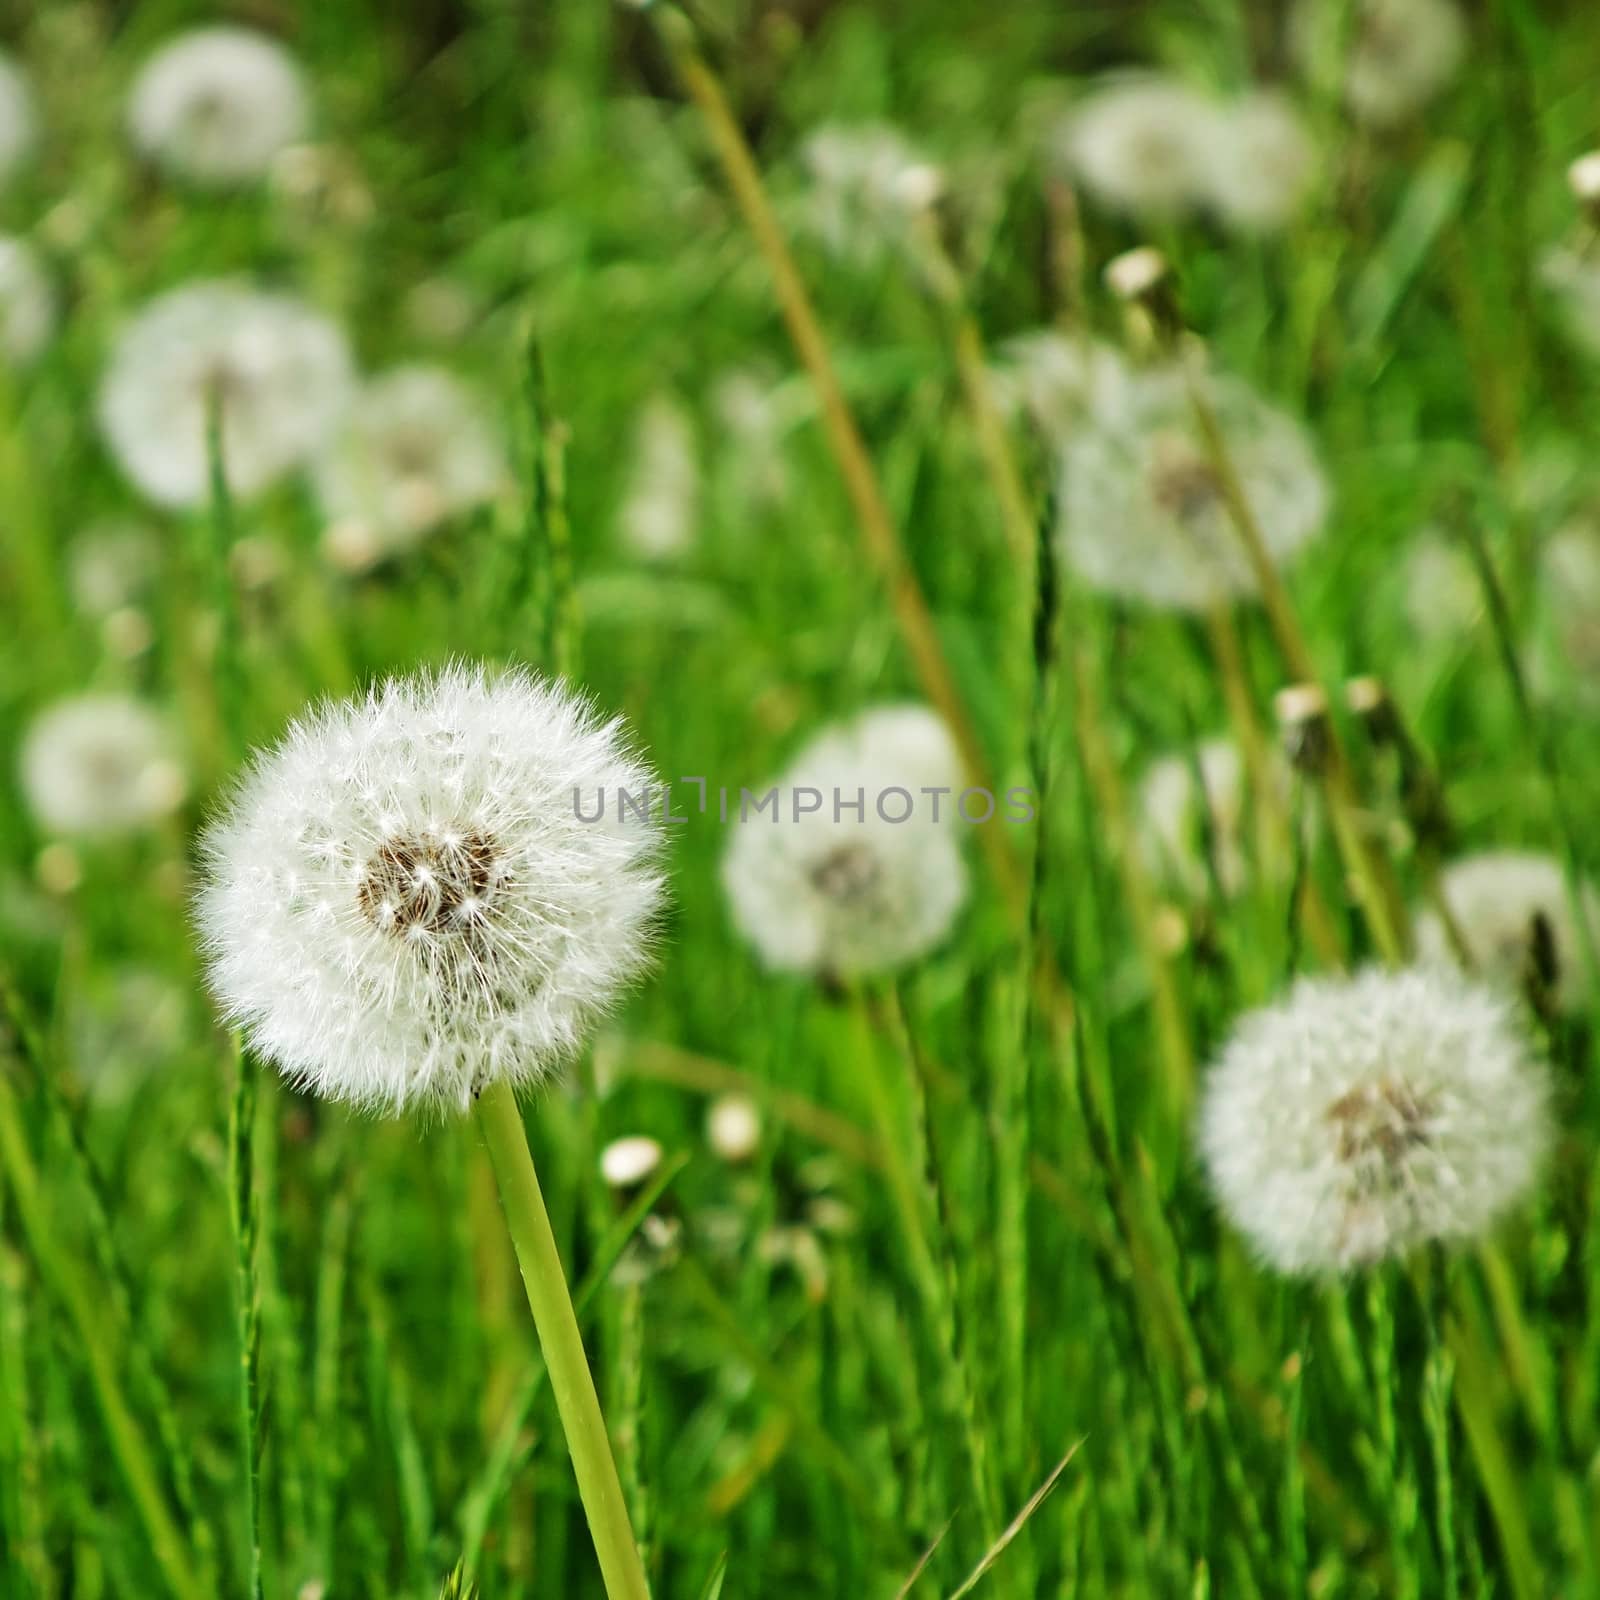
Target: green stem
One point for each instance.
(562, 1345)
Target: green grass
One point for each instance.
(1033, 1268)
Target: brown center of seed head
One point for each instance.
(1378, 1126)
(847, 875)
(1184, 485)
(432, 882)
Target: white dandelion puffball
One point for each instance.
(907, 744)
(404, 901)
(1262, 164)
(1388, 57)
(1060, 382)
(101, 764)
(217, 104)
(1513, 912)
(1142, 514)
(27, 303)
(1176, 820)
(18, 120)
(1572, 275)
(1361, 1116)
(867, 181)
(414, 450)
(279, 371)
(662, 502)
(1142, 144)
(815, 888)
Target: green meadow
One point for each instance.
(965, 1316)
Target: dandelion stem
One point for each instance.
(561, 1343)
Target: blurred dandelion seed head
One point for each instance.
(216, 105)
(100, 764)
(1388, 58)
(1142, 513)
(829, 892)
(1359, 1117)
(278, 371)
(1515, 914)
(414, 450)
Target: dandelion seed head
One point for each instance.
(867, 181)
(1389, 57)
(1361, 1116)
(1139, 143)
(402, 903)
(414, 450)
(1261, 164)
(903, 743)
(101, 764)
(19, 123)
(27, 303)
(1516, 919)
(826, 893)
(215, 105)
(279, 371)
(1061, 383)
(1143, 515)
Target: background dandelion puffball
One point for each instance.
(1361, 1116)
(217, 104)
(823, 891)
(281, 373)
(402, 903)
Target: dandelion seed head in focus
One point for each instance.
(216, 105)
(98, 764)
(1142, 510)
(1518, 922)
(414, 450)
(402, 902)
(1362, 1116)
(27, 303)
(279, 371)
